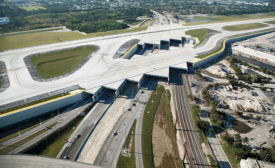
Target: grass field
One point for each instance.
(34, 39)
(57, 63)
(220, 48)
(33, 8)
(271, 22)
(22, 142)
(164, 136)
(199, 33)
(231, 155)
(16, 133)
(244, 27)
(231, 18)
(147, 126)
(128, 162)
(53, 148)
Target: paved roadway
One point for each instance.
(189, 131)
(109, 153)
(102, 68)
(74, 145)
(142, 102)
(62, 119)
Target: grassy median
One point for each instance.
(271, 22)
(33, 39)
(55, 145)
(199, 33)
(128, 161)
(57, 63)
(164, 139)
(23, 141)
(248, 26)
(147, 126)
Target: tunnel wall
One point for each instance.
(36, 110)
(198, 63)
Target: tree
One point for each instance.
(203, 125)
(245, 140)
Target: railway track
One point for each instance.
(186, 123)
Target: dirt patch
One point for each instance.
(164, 136)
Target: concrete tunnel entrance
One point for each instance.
(164, 45)
(175, 43)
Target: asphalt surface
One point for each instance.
(142, 101)
(79, 137)
(189, 132)
(102, 69)
(109, 153)
(61, 120)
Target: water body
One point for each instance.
(194, 20)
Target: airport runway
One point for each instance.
(102, 69)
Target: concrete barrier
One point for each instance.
(229, 40)
(25, 113)
(130, 52)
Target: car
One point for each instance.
(78, 136)
(115, 133)
(129, 109)
(66, 157)
(142, 91)
(134, 104)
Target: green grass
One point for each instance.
(57, 63)
(128, 162)
(231, 155)
(56, 145)
(196, 116)
(23, 141)
(147, 126)
(231, 18)
(212, 161)
(248, 26)
(32, 103)
(218, 50)
(170, 131)
(34, 39)
(199, 33)
(16, 133)
(271, 22)
(33, 8)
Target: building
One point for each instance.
(252, 163)
(4, 20)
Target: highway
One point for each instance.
(62, 119)
(110, 151)
(75, 144)
(102, 69)
(186, 123)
